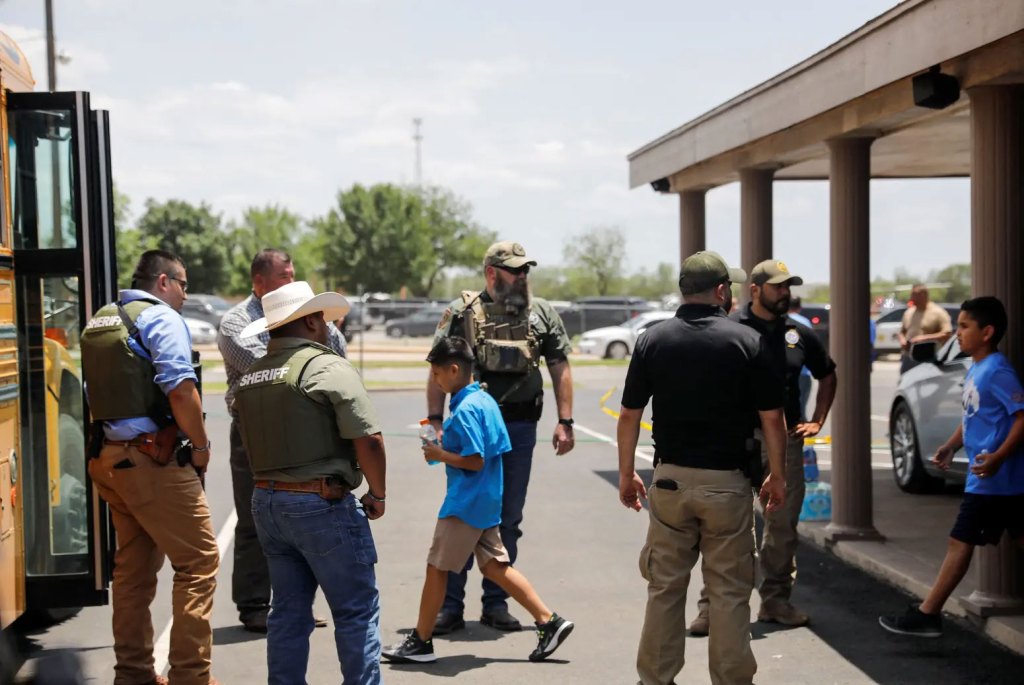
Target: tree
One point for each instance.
(129, 243)
(262, 227)
(457, 240)
(193, 233)
(958, 276)
(598, 253)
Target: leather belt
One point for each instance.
(327, 488)
(144, 439)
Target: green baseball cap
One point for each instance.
(774, 272)
(704, 270)
(507, 253)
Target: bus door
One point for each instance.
(64, 270)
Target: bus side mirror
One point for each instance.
(923, 351)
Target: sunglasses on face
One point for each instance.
(515, 270)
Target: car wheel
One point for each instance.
(395, 332)
(617, 350)
(907, 468)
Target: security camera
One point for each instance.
(662, 185)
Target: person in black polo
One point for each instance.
(709, 378)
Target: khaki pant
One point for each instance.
(708, 514)
(157, 511)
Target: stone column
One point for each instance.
(692, 229)
(997, 259)
(755, 220)
(849, 197)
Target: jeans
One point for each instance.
(312, 542)
(515, 466)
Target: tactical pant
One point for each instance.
(250, 578)
(158, 511)
(708, 514)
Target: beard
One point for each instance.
(779, 307)
(514, 295)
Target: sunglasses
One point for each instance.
(514, 270)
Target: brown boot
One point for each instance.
(701, 625)
(781, 611)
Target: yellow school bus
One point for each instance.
(56, 268)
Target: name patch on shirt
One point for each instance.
(792, 337)
(104, 322)
(263, 376)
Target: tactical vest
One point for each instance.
(281, 426)
(503, 342)
(120, 383)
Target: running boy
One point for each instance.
(991, 431)
(473, 441)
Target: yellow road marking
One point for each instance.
(614, 414)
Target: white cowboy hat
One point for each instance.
(293, 301)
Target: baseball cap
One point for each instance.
(507, 253)
(704, 270)
(774, 272)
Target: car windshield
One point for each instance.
(640, 321)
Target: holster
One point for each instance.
(161, 446)
(95, 446)
(754, 469)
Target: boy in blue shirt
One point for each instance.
(473, 441)
(992, 431)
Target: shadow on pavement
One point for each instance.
(473, 632)
(233, 635)
(451, 666)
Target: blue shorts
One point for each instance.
(983, 518)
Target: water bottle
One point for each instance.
(428, 436)
(817, 504)
(810, 464)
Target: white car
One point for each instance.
(887, 327)
(202, 333)
(615, 342)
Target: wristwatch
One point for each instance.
(566, 422)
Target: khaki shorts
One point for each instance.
(455, 540)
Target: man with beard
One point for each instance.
(792, 346)
(510, 331)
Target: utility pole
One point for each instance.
(418, 139)
(51, 49)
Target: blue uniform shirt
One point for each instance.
(170, 349)
(992, 396)
(475, 426)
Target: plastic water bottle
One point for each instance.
(428, 435)
(817, 504)
(810, 464)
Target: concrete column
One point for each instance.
(997, 257)
(692, 229)
(849, 197)
(755, 220)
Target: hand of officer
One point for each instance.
(201, 460)
(808, 429)
(563, 440)
(943, 457)
(373, 508)
(773, 492)
(631, 489)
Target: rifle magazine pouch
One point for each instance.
(505, 356)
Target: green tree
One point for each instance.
(597, 254)
(457, 239)
(129, 243)
(262, 227)
(194, 233)
(958, 278)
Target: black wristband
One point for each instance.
(435, 417)
(566, 422)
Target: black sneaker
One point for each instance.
(412, 651)
(448, 623)
(549, 636)
(914, 622)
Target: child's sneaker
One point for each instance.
(412, 651)
(549, 636)
(914, 622)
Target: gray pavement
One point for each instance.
(580, 551)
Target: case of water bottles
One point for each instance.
(817, 504)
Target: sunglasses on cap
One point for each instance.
(514, 270)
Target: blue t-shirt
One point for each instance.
(475, 426)
(992, 395)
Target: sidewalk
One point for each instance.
(916, 528)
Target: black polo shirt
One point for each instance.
(792, 346)
(707, 376)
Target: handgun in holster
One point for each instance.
(754, 469)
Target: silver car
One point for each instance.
(925, 411)
(615, 342)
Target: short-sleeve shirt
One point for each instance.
(707, 375)
(549, 330)
(475, 426)
(332, 381)
(168, 345)
(992, 397)
(931, 319)
(794, 347)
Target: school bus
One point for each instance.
(57, 266)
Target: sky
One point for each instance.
(529, 110)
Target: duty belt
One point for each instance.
(327, 488)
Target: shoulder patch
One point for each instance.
(534, 318)
(792, 336)
(445, 319)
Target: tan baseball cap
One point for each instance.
(704, 270)
(507, 253)
(774, 272)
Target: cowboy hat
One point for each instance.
(293, 301)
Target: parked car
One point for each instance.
(588, 313)
(202, 332)
(353, 322)
(423, 322)
(208, 308)
(818, 315)
(925, 412)
(615, 342)
(887, 338)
